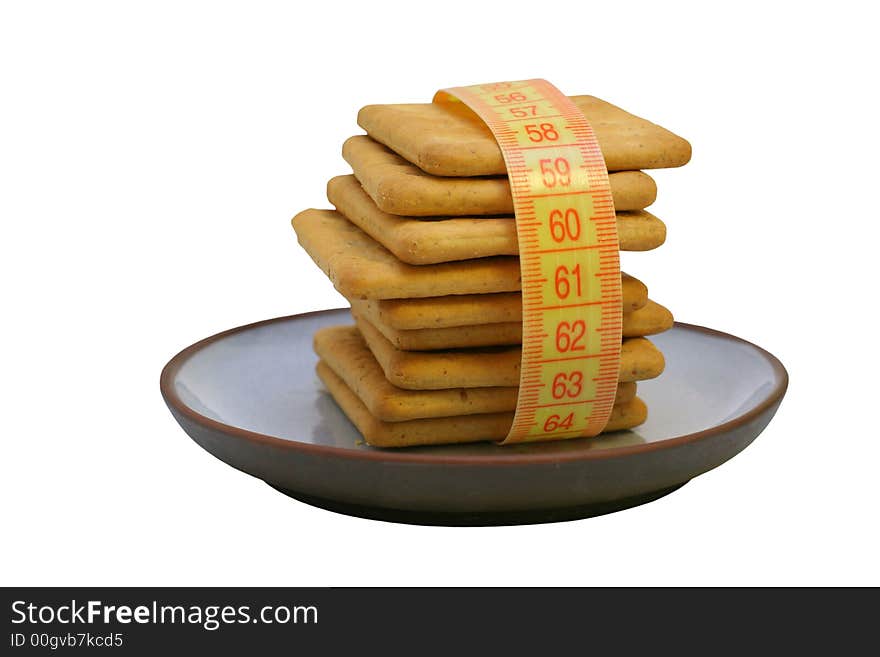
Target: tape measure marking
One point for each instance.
(569, 257)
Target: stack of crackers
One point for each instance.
(423, 244)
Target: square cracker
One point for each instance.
(650, 320)
(343, 349)
(487, 366)
(443, 430)
(361, 268)
(474, 309)
(398, 187)
(425, 242)
(450, 140)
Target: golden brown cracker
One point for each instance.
(484, 367)
(361, 268)
(343, 349)
(446, 140)
(473, 309)
(422, 242)
(458, 429)
(650, 320)
(398, 187)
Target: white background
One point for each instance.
(152, 154)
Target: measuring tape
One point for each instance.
(569, 257)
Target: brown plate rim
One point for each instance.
(402, 455)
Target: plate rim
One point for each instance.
(173, 400)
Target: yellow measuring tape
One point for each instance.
(569, 257)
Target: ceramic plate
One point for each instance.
(250, 396)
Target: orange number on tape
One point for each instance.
(524, 112)
(565, 225)
(515, 97)
(538, 133)
(496, 86)
(563, 287)
(553, 422)
(555, 172)
(568, 385)
(569, 336)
